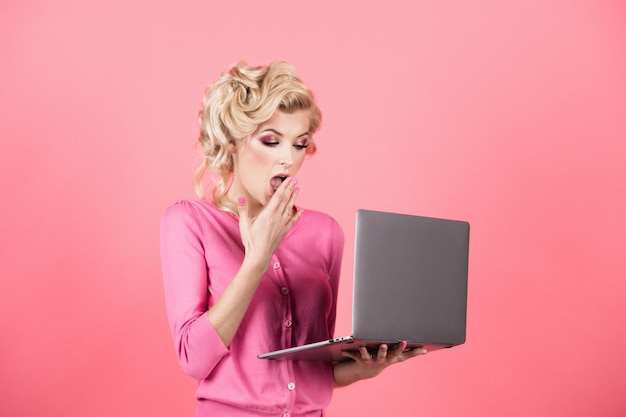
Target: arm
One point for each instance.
(198, 346)
(228, 312)
(202, 337)
(260, 238)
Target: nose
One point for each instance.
(285, 158)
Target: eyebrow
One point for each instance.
(280, 134)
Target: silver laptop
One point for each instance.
(410, 284)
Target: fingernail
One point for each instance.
(294, 181)
(242, 200)
(297, 190)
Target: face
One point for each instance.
(274, 152)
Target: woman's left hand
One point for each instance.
(367, 365)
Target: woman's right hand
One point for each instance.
(262, 235)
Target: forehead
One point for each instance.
(292, 124)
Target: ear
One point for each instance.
(232, 147)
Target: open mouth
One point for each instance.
(276, 181)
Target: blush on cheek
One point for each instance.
(260, 154)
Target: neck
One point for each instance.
(232, 196)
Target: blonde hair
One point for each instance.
(235, 105)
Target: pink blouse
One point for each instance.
(295, 303)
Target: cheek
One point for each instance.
(261, 154)
(256, 158)
(264, 158)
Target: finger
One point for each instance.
(295, 218)
(411, 353)
(365, 355)
(284, 194)
(418, 351)
(402, 348)
(244, 220)
(352, 355)
(292, 198)
(382, 352)
(399, 348)
(396, 351)
(288, 215)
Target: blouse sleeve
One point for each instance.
(185, 280)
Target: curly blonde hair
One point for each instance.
(235, 105)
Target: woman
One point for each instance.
(247, 271)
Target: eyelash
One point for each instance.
(271, 143)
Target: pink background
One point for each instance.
(511, 115)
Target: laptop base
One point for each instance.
(331, 350)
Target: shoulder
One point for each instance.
(192, 207)
(322, 235)
(197, 212)
(183, 209)
(321, 221)
(321, 226)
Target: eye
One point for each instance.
(268, 141)
(301, 144)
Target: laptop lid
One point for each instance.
(410, 278)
